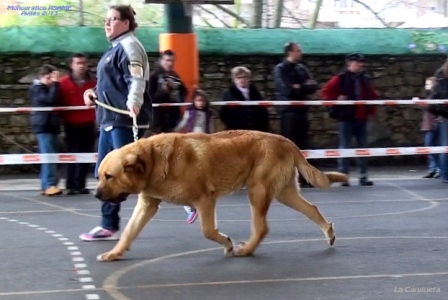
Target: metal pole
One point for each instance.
(177, 20)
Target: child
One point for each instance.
(197, 118)
(44, 92)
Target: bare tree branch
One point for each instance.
(293, 17)
(214, 15)
(232, 14)
(373, 12)
(207, 22)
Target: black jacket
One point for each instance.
(170, 115)
(286, 74)
(439, 91)
(244, 117)
(44, 96)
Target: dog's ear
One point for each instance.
(134, 164)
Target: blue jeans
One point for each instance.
(108, 141)
(443, 141)
(48, 143)
(432, 140)
(346, 132)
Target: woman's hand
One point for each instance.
(134, 111)
(89, 96)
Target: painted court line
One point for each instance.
(77, 257)
(279, 280)
(110, 284)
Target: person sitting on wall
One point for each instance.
(243, 117)
(352, 84)
(44, 92)
(166, 87)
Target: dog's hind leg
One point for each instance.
(145, 209)
(260, 201)
(292, 198)
(207, 217)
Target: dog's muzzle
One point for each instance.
(100, 196)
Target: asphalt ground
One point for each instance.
(391, 243)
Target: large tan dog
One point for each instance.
(196, 169)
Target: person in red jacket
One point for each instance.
(351, 84)
(79, 125)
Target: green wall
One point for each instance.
(64, 40)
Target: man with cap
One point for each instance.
(352, 84)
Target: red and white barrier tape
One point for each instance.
(63, 158)
(246, 103)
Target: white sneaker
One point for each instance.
(100, 234)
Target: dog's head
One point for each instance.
(121, 173)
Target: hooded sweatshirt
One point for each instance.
(42, 95)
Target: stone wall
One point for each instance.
(395, 77)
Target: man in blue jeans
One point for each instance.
(123, 83)
(352, 84)
(440, 91)
(44, 92)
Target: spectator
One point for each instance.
(352, 84)
(79, 126)
(167, 87)
(123, 82)
(198, 118)
(431, 128)
(293, 81)
(44, 92)
(244, 117)
(440, 91)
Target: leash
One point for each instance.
(123, 112)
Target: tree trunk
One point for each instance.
(278, 14)
(257, 14)
(81, 13)
(315, 14)
(236, 22)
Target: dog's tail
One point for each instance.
(317, 178)
(337, 177)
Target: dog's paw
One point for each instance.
(242, 250)
(229, 250)
(332, 240)
(108, 256)
(329, 234)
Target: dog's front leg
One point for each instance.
(145, 209)
(207, 217)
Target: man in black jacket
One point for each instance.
(44, 92)
(294, 82)
(440, 91)
(166, 87)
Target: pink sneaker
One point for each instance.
(192, 216)
(100, 234)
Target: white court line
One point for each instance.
(89, 287)
(276, 204)
(110, 284)
(432, 204)
(27, 188)
(79, 272)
